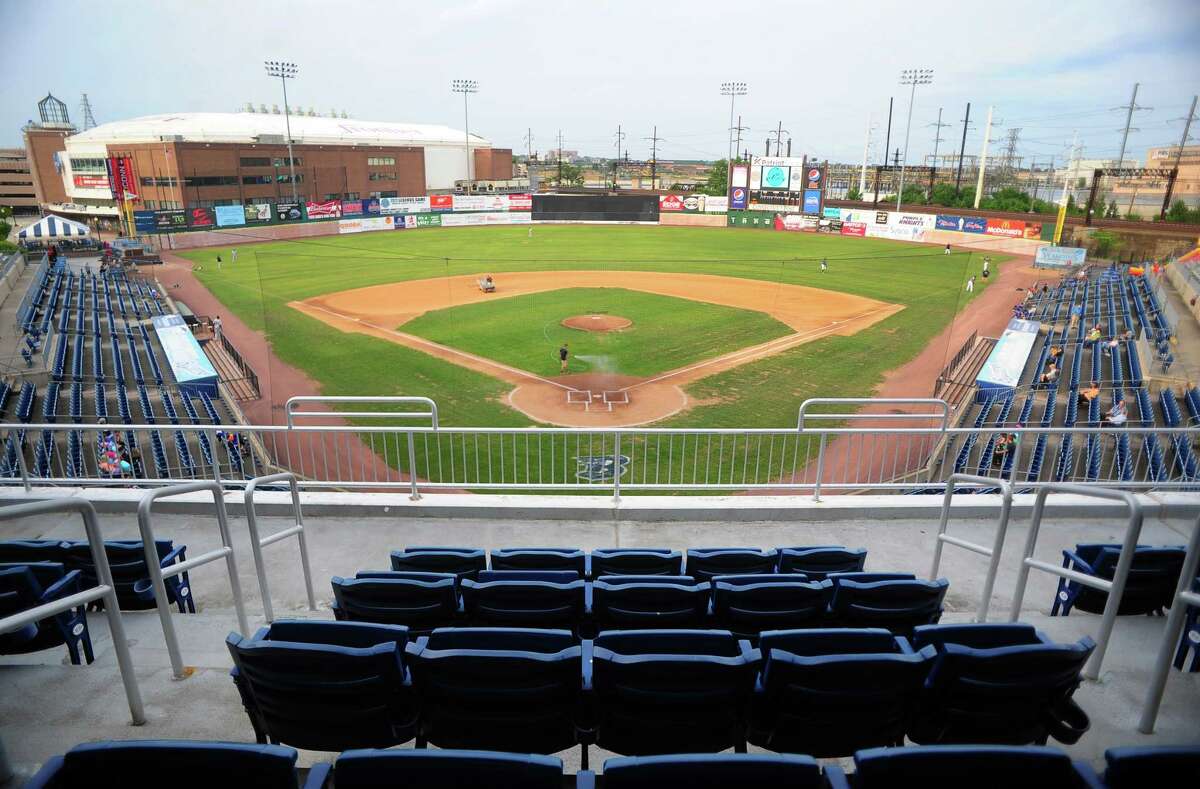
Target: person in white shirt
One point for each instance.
(1116, 415)
(216, 324)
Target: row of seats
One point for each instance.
(338, 685)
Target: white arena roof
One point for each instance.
(251, 127)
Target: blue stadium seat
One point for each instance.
(518, 602)
(463, 562)
(1139, 766)
(979, 767)
(1149, 588)
(818, 561)
(540, 559)
(326, 686)
(671, 691)
(721, 771)
(749, 604)
(424, 769)
(182, 764)
(127, 559)
(503, 689)
(25, 586)
(649, 601)
(635, 561)
(831, 692)
(30, 551)
(419, 601)
(704, 563)
(898, 605)
(1001, 684)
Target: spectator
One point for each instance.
(1094, 334)
(1056, 352)
(1116, 416)
(1086, 396)
(1051, 374)
(216, 326)
(1110, 345)
(1000, 448)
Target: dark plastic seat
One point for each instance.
(704, 563)
(504, 689)
(749, 604)
(326, 686)
(540, 559)
(978, 767)
(671, 691)
(818, 561)
(441, 769)
(127, 560)
(463, 562)
(625, 602)
(1149, 588)
(999, 683)
(419, 601)
(897, 605)
(26, 586)
(524, 603)
(832, 692)
(721, 771)
(635, 561)
(187, 764)
(26, 551)
(1137, 767)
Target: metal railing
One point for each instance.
(104, 590)
(257, 543)
(1115, 589)
(993, 553)
(158, 573)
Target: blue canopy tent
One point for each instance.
(52, 226)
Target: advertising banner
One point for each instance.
(670, 203)
(923, 221)
(757, 219)
(289, 212)
(716, 205)
(813, 178)
(352, 207)
(257, 213)
(520, 202)
(143, 221)
(896, 232)
(429, 220)
(854, 229)
(201, 217)
(1033, 230)
(366, 224)
(829, 225)
(963, 224)
(403, 205)
(740, 176)
(230, 215)
(326, 209)
(812, 201)
(484, 218)
(694, 204)
(1009, 228)
(856, 215)
(778, 173)
(469, 202)
(831, 213)
(92, 182)
(441, 202)
(738, 198)
(1059, 257)
(120, 179)
(170, 221)
(796, 222)
(403, 222)
(371, 206)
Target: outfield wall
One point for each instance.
(692, 220)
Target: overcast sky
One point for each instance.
(586, 66)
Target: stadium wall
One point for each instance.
(692, 220)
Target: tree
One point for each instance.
(1179, 212)
(718, 179)
(943, 194)
(1105, 243)
(1130, 216)
(566, 175)
(853, 193)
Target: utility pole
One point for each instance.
(862, 174)
(560, 158)
(1008, 159)
(528, 145)
(1129, 110)
(779, 139)
(739, 129)
(887, 141)
(962, 150)
(654, 141)
(937, 139)
(620, 135)
(987, 134)
(1187, 127)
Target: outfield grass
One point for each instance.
(765, 393)
(526, 331)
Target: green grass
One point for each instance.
(526, 331)
(765, 393)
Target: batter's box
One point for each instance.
(618, 397)
(581, 397)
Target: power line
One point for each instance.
(1130, 108)
(654, 141)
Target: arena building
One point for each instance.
(205, 159)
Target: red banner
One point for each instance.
(1010, 228)
(854, 228)
(444, 202)
(92, 181)
(670, 203)
(521, 202)
(329, 209)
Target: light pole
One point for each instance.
(914, 77)
(732, 90)
(285, 71)
(466, 87)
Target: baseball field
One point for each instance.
(671, 326)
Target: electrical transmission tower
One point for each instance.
(89, 120)
(1009, 161)
(1129, 108)
(654, 141)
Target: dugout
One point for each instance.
(595, 208)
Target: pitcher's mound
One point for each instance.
(599, 323)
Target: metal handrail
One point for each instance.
(934, 401)
(997, 542)
(156, 572)
(105, 589)
(257, 543)
(431, 414)
(1115, 588)
(1179, 603)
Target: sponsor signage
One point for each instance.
(441, 202)
(120, 178)
(750, 219)
(230, 215)
(829, 226)
(498, 202)
(1009, 228)
(854, 228)
(1059, 257)
(881, 217)
(257, 213)
(963, 224)
(171, 220)
(326, 209)
(812, 201)
(366, 224)
(371, 206)
(352, 207)
(831, 213)
(1033, 230)
(403, 205)
(812, 178)
(428, 220)
(923, 221)
(716, 205)
(201, 217)
(796, 222)
(778, 173)
(289, 212)
(740, 176)
(520, 202)
(143, 221)
(738, 199)
(670, 203)
(92, 182)
(484, 218)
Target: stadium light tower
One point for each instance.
(914, 77)
(466, 87)
(732, 90)
(285, 71)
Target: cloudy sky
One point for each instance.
(585, 66)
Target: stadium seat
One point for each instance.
(1149, 588)
(185, 764)
(505, 689)
(419, 601)
(750, 604)
(441, 769)
(26, 586)
(127, 560)
(721, 771)
(1137, 767)
(540, 559)
(898, 605)
(832, 692)
(518, 602)
(1189, 639)
(635, 561)
(26, 551)
(704, 563)
(999, 683)
(979, 767)
(463, 562)
(671, 691)
(820, 560)
(648, 601)
(326, 686)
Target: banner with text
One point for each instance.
(170, 220)
(230, 215)
(1009, 228)
(258, 213)
(289, 212)
(326, 209)
(366, 224)
(963, 224)
(201, 217)
(1059, 257)
(404, 205)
